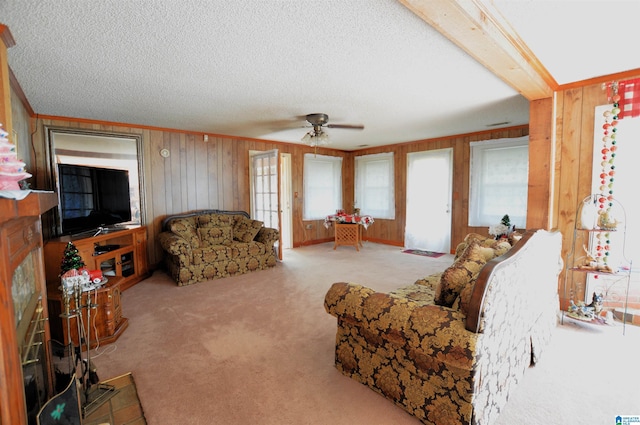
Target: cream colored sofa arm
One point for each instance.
(519, 285)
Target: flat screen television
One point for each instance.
(91, 197)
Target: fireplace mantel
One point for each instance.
(21, 247)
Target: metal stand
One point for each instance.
(93, 393)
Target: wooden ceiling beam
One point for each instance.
(479, 29)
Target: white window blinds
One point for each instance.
(374, 190)
(322, 186)
(498, 181)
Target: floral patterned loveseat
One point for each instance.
(450, 348)
(209, 244)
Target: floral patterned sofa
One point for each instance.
(451, 347)
(210, 244)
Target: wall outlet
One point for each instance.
(309, 226)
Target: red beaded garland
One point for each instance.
(607, 173)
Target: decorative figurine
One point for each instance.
(11, 169)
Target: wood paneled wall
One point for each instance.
(542, 191)
(392, 231)
(215, 174)
(575, 114)
(196, 175)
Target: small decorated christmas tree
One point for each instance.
(71, 259)
(506, 221)
(502, 230)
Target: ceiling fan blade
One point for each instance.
(346, 126)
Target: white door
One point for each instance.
(429, 187)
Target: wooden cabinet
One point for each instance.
(140, 239)
(118, 253)
(103, 321)
(121, 255)
(26, 375)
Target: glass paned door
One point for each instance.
(265, 204)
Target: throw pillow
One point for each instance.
(187, 230)
(487, 241)
(460, 249)
(465, 296)
(215, 220)
(499, 247)
(245, 229)
(489, 253)
(462, 271)
(222, 235)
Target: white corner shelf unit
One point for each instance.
(596, 265)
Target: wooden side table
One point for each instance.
(347, 234)
(107, 323)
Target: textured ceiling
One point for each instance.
(255, 68)
(578, 39)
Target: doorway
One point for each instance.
(286, 201)
(271, 193)
(429, 188)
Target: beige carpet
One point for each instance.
(258, 349)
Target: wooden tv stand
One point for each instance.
(121, 255)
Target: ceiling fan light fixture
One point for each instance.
(316, 137)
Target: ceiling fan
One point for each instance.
(317, 136)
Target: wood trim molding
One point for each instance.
(6, 37)
(632, 73)
(5, 88)
(17, 89)
(211, 136)
(480, 30)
